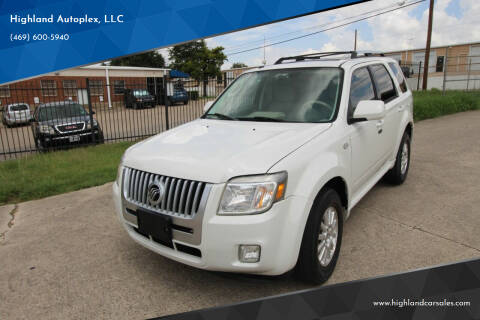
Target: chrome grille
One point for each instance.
(181, 196)
(70, 127)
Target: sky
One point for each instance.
(455, 21)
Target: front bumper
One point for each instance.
(279, 233)
(84, 137)
(11, 121)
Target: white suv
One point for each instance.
(264, 181)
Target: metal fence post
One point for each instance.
(165, 98)
(90, 111)
(224, 80)
(469, 72)
(445, 73)
(419, 73)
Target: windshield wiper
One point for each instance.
(220, 116)
(263, 119)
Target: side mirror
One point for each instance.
(368, 110)
(207, 106)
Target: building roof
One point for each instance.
(433, 47)
(122, 68)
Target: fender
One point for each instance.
(306, 177)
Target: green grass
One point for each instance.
(42, 175)
(432, 104)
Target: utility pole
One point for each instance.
(427, 49)
(355, 45)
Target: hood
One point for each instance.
(215, 151)
(55, 122)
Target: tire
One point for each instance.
(101, 138)
(398, 174)
(312, 267)
(185, 102)
(135, 106)
(39, 146)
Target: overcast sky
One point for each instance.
(455, 21)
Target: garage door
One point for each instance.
(475, 57)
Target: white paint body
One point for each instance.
(215, 151)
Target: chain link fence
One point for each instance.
(446, 73)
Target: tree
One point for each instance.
(239, 65)
(151, 59)
(196, 59)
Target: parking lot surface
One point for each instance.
(68, 257)
(117, 124)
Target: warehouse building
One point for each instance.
(460, 61)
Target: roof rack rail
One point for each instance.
(320, 55)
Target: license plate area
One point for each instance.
(158, 226)
(74, 138)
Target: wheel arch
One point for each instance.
(340, 186)
(409, 129)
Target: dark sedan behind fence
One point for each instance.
(48, 119)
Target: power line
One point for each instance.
(309, 28)
(327, 29)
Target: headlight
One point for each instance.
(252, 194)
(46, 129)
(95, 124)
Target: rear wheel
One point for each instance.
(398, 174)
(322, 239)
(39, 145)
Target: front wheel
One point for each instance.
(398, 174)
(322, 239)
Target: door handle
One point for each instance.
(401, 108)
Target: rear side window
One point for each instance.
(384, 83)
(399, 75)
(19, 107)
(360, 89)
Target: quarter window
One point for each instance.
(360, 89)
(399, 75)
(70, 88)
(49, 88)
(384, 83)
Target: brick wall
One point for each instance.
(60, 88)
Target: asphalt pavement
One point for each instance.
(67, 257)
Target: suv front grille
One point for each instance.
(71, 127)
(181, 197)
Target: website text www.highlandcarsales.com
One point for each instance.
(420, 303)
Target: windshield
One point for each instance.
(18, 107)
(61, 112)
(286, 95)
(140, 93)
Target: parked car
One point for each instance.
(138, 98)
(16, 113)
(64, 123)
(264, 181)
(176, 93)
(178, 96)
